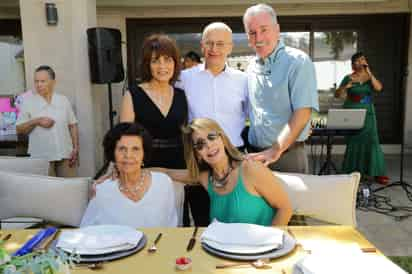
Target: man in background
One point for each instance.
(191, 59)
(49, 120)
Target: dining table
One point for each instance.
(174, 241)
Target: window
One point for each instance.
(12, 66)
(332, 52)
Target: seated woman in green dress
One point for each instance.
(240, 191)
(363, 151)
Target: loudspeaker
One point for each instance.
(105, 55)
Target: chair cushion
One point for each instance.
(330, 198)
(59, 200)
(24, 165)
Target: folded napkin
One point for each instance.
(99, 239)
(242, 234)
(346, 261)
(35, 240)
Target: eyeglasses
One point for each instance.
(200, 144)
(218, 44)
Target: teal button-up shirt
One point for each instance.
(279, 85)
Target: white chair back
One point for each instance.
(330, 198)
(59, 200)
(26, 165)
(180, 198)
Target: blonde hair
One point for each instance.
(193, 164)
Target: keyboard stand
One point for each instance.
(328, 166)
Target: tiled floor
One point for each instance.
(392, 237)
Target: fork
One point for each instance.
(153, 248)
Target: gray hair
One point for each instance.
(214, 26)
(260, 8)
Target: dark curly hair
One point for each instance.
(356, 56)
(126, 129)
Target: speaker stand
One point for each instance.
(402, 183)
(111, 112)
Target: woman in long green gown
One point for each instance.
(363, 151)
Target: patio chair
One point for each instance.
(329, 198)
(25, 165)
(57, 200)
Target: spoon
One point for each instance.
(153, 248)
(92, 266)
(259, 264)
(6, 238)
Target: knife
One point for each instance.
(44, 245)
(192, 240)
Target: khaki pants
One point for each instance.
(294, 160)
(62, 169)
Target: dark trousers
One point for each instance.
(197, 198)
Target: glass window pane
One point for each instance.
(332, 53)
(12, 66)
(299, 40)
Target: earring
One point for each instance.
(142, 164)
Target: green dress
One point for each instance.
(363, 151)
(239, 206)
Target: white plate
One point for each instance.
(106, 250)
(241, 249)
(99, 239)
(115, 255)
(289, 244)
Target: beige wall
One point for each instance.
(100, 92)
(64, 47)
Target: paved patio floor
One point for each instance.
(391, 236)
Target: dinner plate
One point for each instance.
(241, 249)
(289, 244)
(114, 255)
(99, 239)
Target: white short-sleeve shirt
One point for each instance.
(53, 143)
(157, 208)
(223, 98)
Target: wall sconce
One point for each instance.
(51, 14)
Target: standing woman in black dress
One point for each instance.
(156, 104)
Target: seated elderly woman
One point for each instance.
(138, 197)
(240, 191)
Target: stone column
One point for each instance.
(64, 47)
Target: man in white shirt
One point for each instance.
(49, 120)
(216, 91)
(213, 89)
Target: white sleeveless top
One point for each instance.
(157, 208)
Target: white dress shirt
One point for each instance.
(157, 208)
(53, 143)
(223, 98)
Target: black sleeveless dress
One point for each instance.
(165, 130)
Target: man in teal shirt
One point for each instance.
(282, 94)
